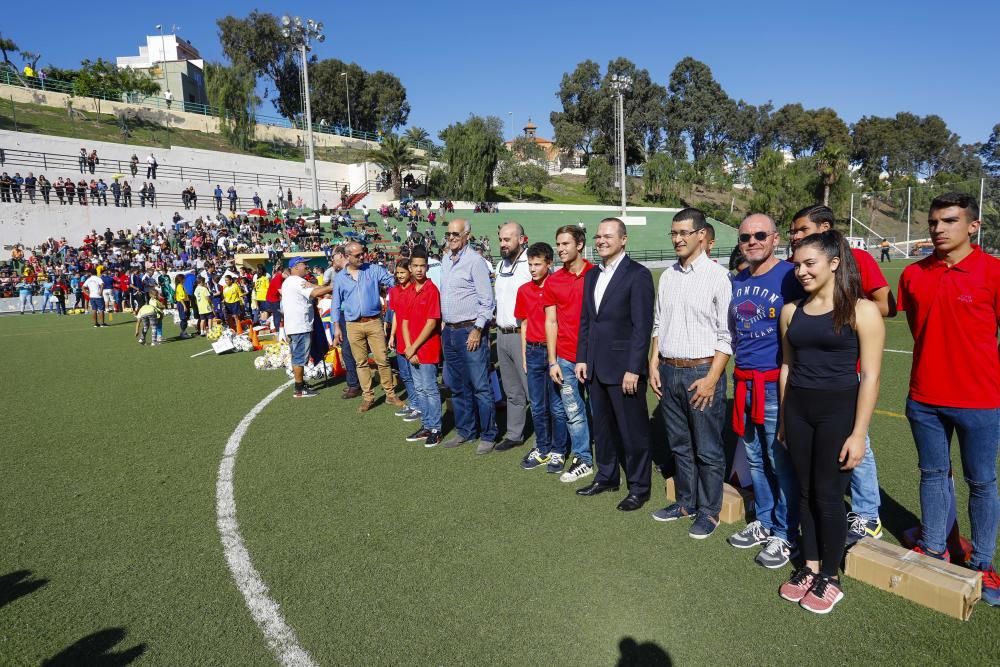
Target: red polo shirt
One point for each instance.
(953, 315)
(425, 304)
(529, 306)
(872, 279)
(399, 299)
(274, 287)
(564, 290)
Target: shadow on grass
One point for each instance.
(647, 654)
(97, 649)
(896, 519)
(18, 584)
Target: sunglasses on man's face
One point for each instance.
(452, 235)
(760, 236)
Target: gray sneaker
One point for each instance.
(751, 536)
(485, 447)
(775, 553)
(454, 441)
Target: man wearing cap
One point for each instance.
(356, 292)
(511, 273)
(297, 296)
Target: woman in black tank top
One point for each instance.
(827, 400)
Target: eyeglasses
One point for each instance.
(453, 235)
(760, 236)
(684, 233)
(356, 254)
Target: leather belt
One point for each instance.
(509, 330)
(531, 344)
(367, 318)
(464, 324)
(685, 363)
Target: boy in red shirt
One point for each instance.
(952, 304)
(421, 327)
(547, 413)
(397, 300)
(563, 297)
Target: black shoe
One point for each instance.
(421, 434)
(632, 502)
(506, 444)
(596, 488)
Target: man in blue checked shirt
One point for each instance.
(356, 291)
(466, 308)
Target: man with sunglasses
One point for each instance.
(356, 291)
(511, 274)
(466, 309)
(759, 292)
(693, 343)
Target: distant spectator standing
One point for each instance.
(151, 166)
(82, 159)
(30, 182)
(218, 198)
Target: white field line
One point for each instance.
(198, 354)
(265, 611)
(898, 351)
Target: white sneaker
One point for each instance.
(578, 470)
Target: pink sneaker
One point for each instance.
(798, 585)
(822, 597)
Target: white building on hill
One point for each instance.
(175, 64)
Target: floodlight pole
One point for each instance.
(301, 32)
(979, 235)
(309, 131)
(909, 194)
(621, 84)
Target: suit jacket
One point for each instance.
(616, 339)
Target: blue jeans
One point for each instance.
(775, 489)
(467, 374)
(865, 496)
(547, 413)
(978, 440)
(575, 409)
(406, 377)
(428, 396)
(695, 438)
(352, 366)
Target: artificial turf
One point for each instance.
(379, 551)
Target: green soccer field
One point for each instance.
(378, 551)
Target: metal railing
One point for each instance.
(49, 162)
(9, 78)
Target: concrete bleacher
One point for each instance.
(24, 223)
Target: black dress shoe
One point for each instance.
(506, 444)
(595, 488)
(632, 503)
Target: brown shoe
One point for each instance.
(366, 406)
(392, 399)
(352, 392)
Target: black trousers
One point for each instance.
(817, 423)
(621, 435)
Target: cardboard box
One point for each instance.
(736, 503)
(933, 583)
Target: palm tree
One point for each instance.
(831, 163)
(416, 135)
(394, 155)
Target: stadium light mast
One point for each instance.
(621, 84)
(301, 34)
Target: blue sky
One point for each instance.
(456, 58)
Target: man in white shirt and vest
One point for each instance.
(511, 273)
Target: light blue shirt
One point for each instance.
(466, 292)
(360, 297)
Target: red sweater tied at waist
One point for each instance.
(758, 381)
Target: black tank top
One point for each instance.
(824, 358)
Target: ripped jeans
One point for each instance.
(576, 413)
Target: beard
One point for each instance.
(509, 254)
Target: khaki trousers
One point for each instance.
(365, 337)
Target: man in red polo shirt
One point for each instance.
(273, 303)
(547, 413)
(952, 304)
(422, 337)
(863, 519)
(563, 300)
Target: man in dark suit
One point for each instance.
(616, 323)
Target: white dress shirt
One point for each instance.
(691, 318)
(509, 278)
(607, 273)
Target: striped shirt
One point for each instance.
(466, 292)
(691, 317)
